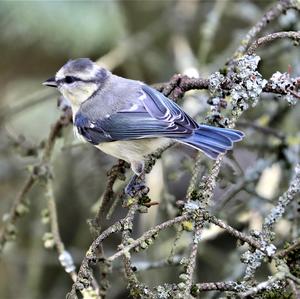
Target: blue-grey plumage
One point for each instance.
(128, 119)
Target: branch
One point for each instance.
(8, 229)
(283, 201)
(294, 35)
(116, 172)
(254, 260)
(288, 250)
(273, 13)
(216, 286)
(196, 205)
(135, 286)
(145, 266)
(149, 234)
(85, 275)
(39, 171)
(179, 85)
(64, 256)
(55, 131)
(237, 234)
(274, 282)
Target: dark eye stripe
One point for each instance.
(68, 80)
(71, 79)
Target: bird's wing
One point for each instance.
(153, 115)
(161, 108)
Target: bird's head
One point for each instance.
(78, 79)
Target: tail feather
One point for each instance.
(234, 135)
(212, 140)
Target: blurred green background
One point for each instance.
(144, 40)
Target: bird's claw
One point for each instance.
(135, 189)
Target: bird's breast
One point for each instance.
(133, 150)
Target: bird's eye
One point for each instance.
(69, 79)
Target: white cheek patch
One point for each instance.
(77, 93)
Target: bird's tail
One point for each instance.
(213, 140)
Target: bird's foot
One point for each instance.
(136, 189)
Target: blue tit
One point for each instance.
(129, 119)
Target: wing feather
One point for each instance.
(161, 108)
(153, 115)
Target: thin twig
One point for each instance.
(273, 13)
(191, 264)
(39, 172)
(85, 274)
(113, 174)
(294, 35)
(134, 284)
(216, 286)
(149, 234)
(237, 234)
(204, 199)
(284, 252)
(64, 256)
(11, 219)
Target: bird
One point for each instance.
(128, 119)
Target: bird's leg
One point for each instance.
(130, 186)
(137, 182)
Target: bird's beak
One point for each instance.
(50, 82)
